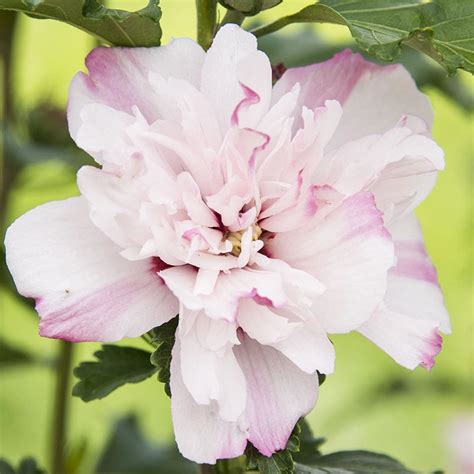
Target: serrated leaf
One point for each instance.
(164, 337)
(442, 29)
(115, 366)
(279, 463)
(309, 445)
(249, 7)
(353, 462)
(116, 27)
(312, 48)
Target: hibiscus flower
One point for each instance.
(266, 217)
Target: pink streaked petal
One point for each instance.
(273, 404)
(118, 77)
(193, 202)
(410, 342)
(413, 288)
(332, 79)
(397, 96)
(295, 216)
(354, 82)
(350, 252)
(251, 98)
(233, 60)
(85, 290)
(230, 199)
(193, 423)
(398, 167)
(230, 288)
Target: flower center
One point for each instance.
(236, 238)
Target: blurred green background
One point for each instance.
(370, 402)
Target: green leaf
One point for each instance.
(249, 7)
(127, 451)
(308, 444)
(312, 48)
(116, 27)
(353, 462)
(164, 338)
(27, 466)
(442, 29)
(115, 367)
(280, 462)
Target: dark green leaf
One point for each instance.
(249, 7)
(442, 29)
(309, 445)
(12, 356)
(27, 466)
(116, 27)
(231, 466)
(6, 468)
(353, 462)
(164, 337)
(128, 452)
(22, 152)
(280, 462)
(115, 367)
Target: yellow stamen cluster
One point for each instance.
(236, 238)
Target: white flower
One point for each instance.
(266, 216)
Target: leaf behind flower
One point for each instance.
(115, 366)
(116, 27)
(442, 29)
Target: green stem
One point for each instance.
(206, 21)
(8, 22)
(232, 16)
(60, 407)
(206, 469)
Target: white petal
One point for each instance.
(413, 288)
(202, 436)
(118, 77)
(279, 394)
(411, 342)
(209, 368)
(349, 252)
(84, 290)
(232, 66)
(374, 97)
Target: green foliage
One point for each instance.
(128, 451)
(115, 367)
(353, 462)
(26, 466)
(164, 338)
(249, 7)
(302, 456)
(442, 29)
(312, 48)
(281, 462)
(116, 27)
(308, 444)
